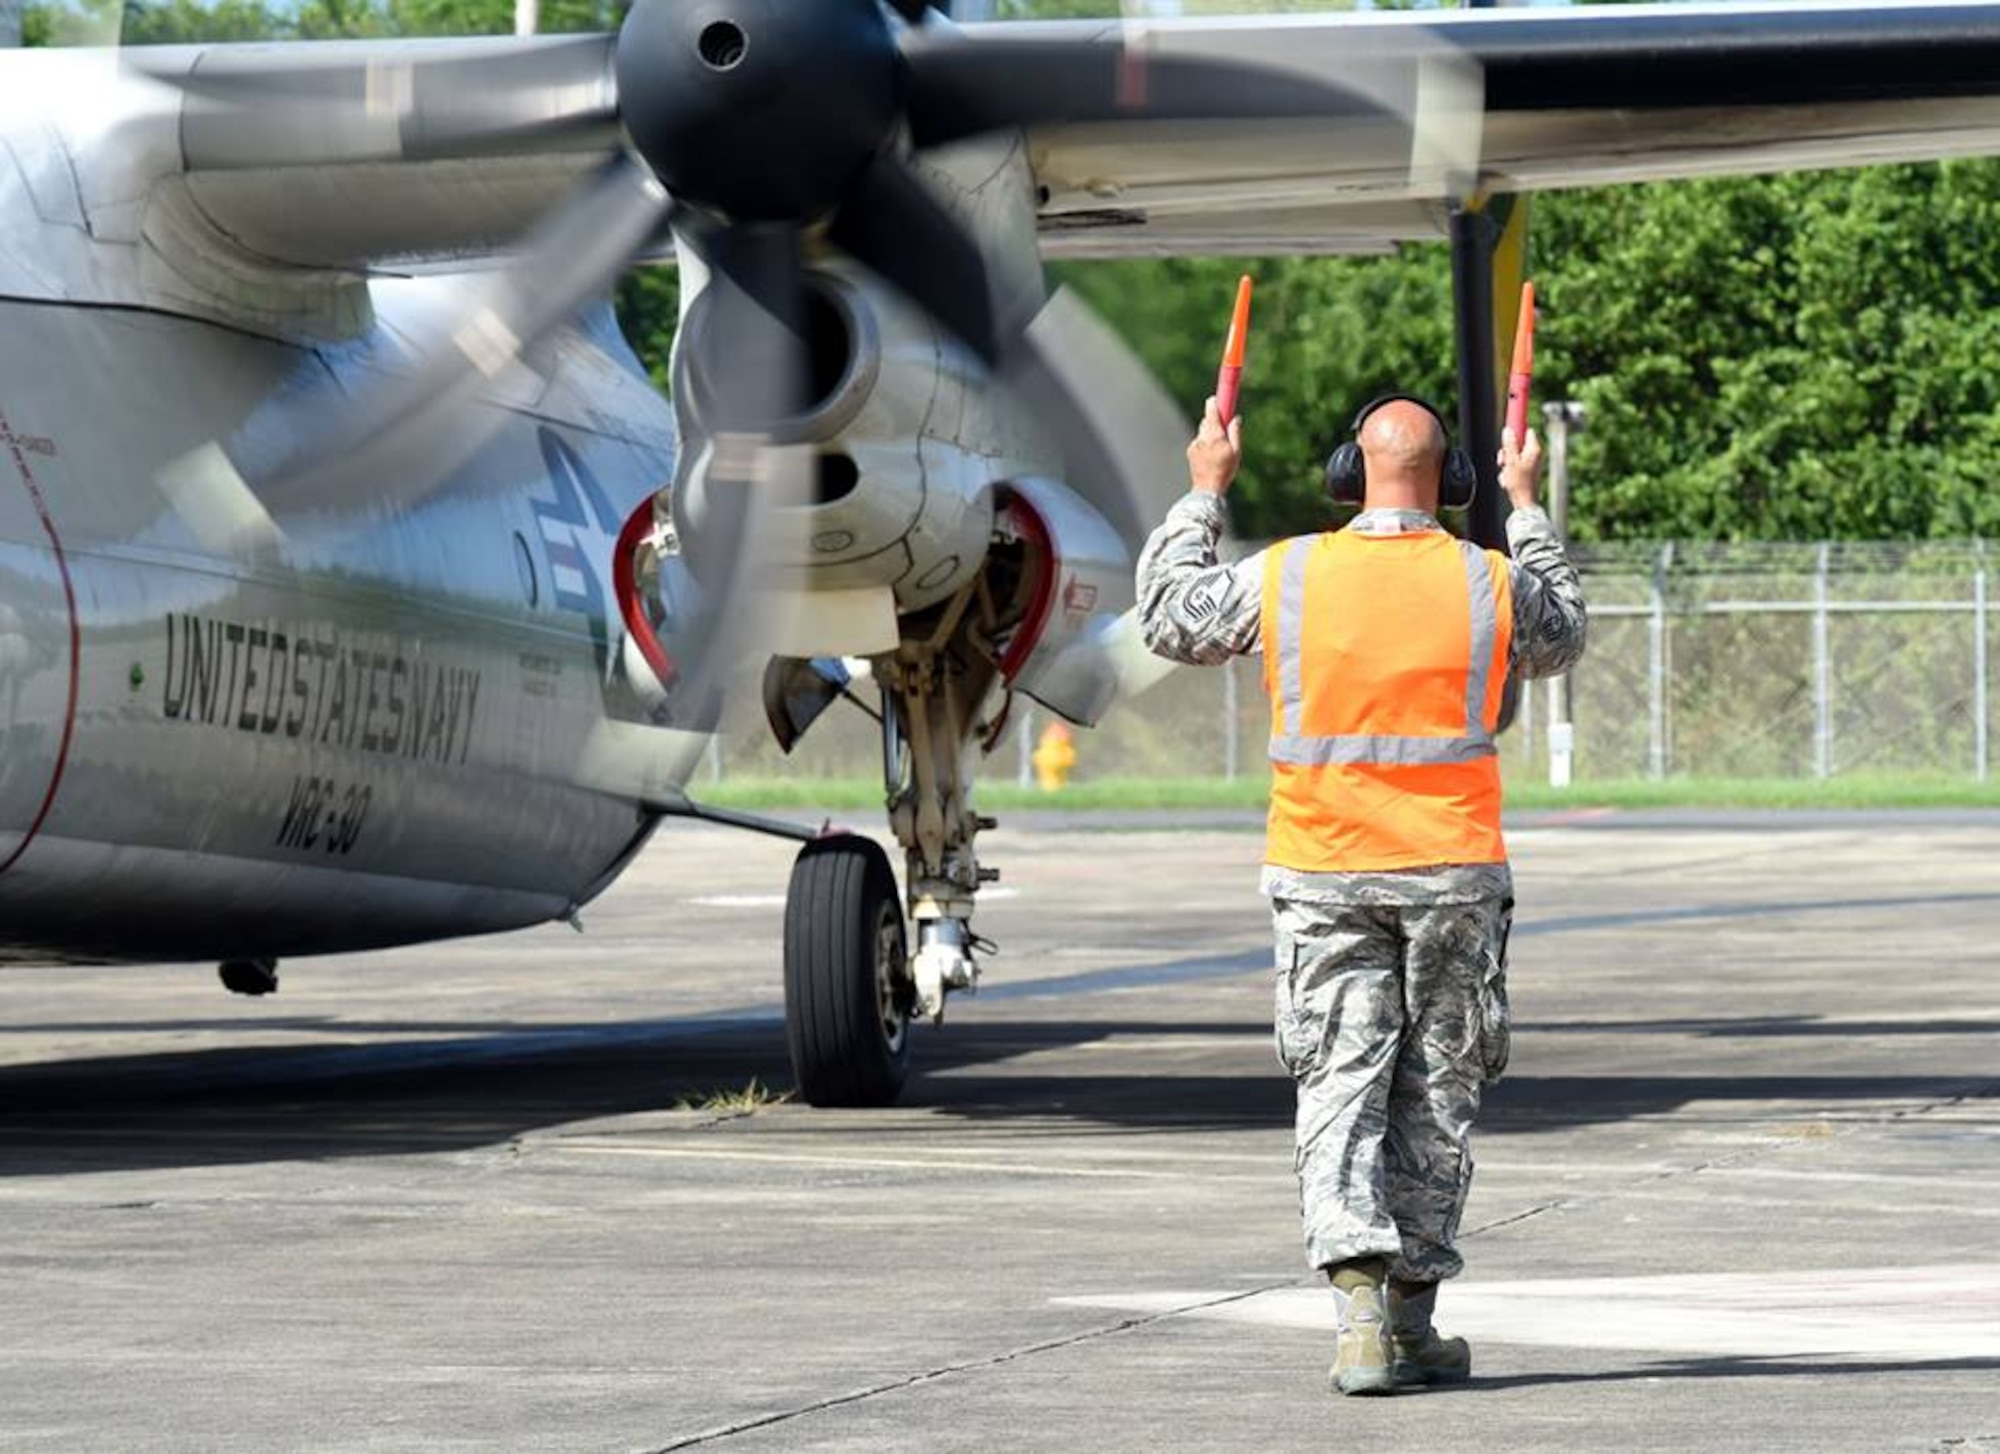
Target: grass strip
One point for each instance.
(1858, 790)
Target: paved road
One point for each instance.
(1741, 1189)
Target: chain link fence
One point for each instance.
(1705, 661)
(1781, 661)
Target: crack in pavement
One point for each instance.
(1978, 1088)
(970, 1365)
(1973, 1089)
(1591, 1199)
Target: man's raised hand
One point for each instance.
(1215, 453)
(1520, 468)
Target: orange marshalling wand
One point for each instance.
(1523, 371)
(1229, 379)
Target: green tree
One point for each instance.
(1803, 356)
(189, 22)
(1800, 356)
(1326, 336)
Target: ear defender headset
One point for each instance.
(1347, 469)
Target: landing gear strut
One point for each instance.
(848, 991)
(853, 979)
(933, 692)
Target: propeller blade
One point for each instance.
(411, 431)
(751, 345)
(962, 88)
(743, 368)
(735, 502)
(890, 221)
(1409, 96)
(1120, 432)
(245, 107)
(1068, 370)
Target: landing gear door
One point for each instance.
(797, 690)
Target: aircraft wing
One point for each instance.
(258, 182)
(1503, 101)
(386, 154)
(413, 150)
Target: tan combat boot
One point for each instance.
(1418, 1356)
(1362, 1358)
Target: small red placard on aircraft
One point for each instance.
(1079, 598)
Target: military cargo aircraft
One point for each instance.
(358, 589)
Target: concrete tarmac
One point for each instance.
(1739, 1190)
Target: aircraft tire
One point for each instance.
(847, 987)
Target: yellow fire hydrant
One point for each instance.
(1054, 757)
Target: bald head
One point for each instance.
(1404, 446)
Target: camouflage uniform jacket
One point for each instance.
(1201, 613)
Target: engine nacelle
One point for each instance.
(904, 441)
(1065, 653)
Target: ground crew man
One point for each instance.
(1386, 647)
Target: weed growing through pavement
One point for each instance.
(751, 1098)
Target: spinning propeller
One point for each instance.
(747, 127)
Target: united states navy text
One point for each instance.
(323, 690)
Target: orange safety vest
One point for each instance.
(1385, 657)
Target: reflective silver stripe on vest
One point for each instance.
(1291, 635)
(1485, 627)
(1297, 749)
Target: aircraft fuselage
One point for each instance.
(392, 724)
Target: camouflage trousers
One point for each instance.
(1392, 1019)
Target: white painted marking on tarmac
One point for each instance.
(1150, 1043)
(777, 901)
(875, 1163)
(1916, 1313)
(1926, 1180)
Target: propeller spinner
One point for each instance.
(758, 110)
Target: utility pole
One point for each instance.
(1560, 418)
(527, 16)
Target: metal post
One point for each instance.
(1232, 747)
(1473, 235)
(1558, 419)
(1980, 667)
(1024, 748)
(1822, 667)
(1656, 669)
(527, 16)
(1562, 735)
(1527, 721)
